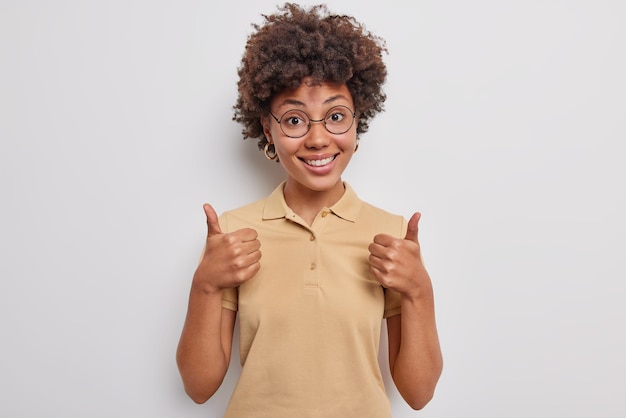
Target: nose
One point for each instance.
(317, 137)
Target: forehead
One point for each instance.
(313, 95)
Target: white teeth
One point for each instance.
(319, 163)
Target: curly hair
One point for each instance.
(295, 43)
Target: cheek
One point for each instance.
(285, 147)
(347, 142)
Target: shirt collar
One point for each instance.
(347, 207)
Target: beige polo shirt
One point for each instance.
(310, 319)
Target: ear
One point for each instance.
(266, 123)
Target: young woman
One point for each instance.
(311, 270)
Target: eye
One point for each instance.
(294, 119)
(336, 115)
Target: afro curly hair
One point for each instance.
(295, 43)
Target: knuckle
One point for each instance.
(229, 239)
(389, 267)
(237, 264)
(235, 251)
(241, 276)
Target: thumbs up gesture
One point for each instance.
(229, 259)
(397, 262)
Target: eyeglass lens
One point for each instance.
(296, 123)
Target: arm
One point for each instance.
(415, 358)
(205, 344)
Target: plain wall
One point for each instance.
(504, 126)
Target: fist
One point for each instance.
(397, 262)
(229, 259)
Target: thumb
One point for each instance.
(213, 225)
(411, 230)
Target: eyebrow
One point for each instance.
(302, 104)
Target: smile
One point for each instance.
(320, 163)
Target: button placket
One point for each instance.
(311, 277)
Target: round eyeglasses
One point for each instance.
(296, 123)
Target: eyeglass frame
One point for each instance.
(313, 120)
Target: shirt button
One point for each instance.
(324, 214)
(312, 238)
(313, 266)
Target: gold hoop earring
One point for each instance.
(270, 155)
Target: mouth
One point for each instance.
(319, 162)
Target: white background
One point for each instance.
(504, 126)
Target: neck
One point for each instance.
(307, 203)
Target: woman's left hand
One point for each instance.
(397, 263)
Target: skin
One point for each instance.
(309, 188)
(230, 259)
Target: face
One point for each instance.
(315, 161)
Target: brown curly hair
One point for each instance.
(295, 43)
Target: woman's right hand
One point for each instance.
(229, 259)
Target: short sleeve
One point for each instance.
(392, 298)
(230, 298)
(392, 303)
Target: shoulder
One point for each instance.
(381, 219)
(375, 218)
(369, 209)
(243, 216)
(249, 208)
